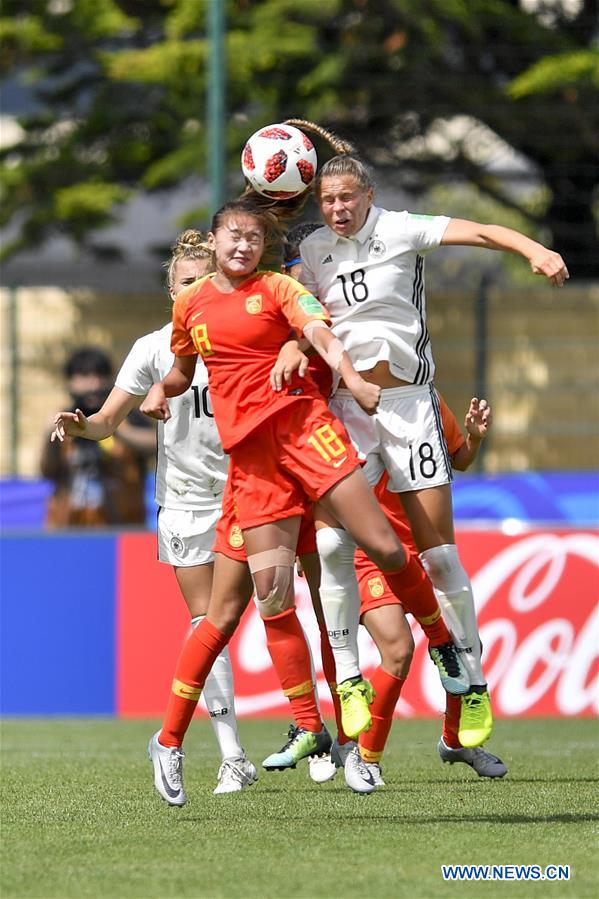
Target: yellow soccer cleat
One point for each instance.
(355, 695)
(476, 718)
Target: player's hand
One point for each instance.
(551, 265)
(479, 418)
(156, 404)
(70, 424)
(290, 360)
(367, 395)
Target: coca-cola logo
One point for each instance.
(536, 596)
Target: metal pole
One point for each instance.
(13, 349)
(481, 338)
(217, 150)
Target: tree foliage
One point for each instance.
(431, 91)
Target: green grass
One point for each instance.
(80, 817)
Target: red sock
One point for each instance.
(197, 657)
(451, 723)
(417, 596)
(290, 656)
(330, 673)
(435, 628)
(387, 688)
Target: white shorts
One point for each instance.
(185, 537)
(405, 437)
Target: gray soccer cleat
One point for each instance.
(484, 763)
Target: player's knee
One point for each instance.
(273, 594)
(398, 655)
(335, 546)
(390, 556)
(272, 574)
(444, 568)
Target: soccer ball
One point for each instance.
(279, 161)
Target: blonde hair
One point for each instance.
(345, 162)
(191, 244)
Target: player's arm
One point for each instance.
(141, 438)
(306, 315)
(460, 232)
(101, 424)
(331, 349)
(292, 358)
(176, 382)
(477, 422)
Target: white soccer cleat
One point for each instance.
(235, 775)
(357, 776)
(322, 768)
(168, 771)
(376, 774)
(484, 763)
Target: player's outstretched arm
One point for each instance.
(477, 422)
(461, 232)
(101, 424)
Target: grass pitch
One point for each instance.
(81, 819)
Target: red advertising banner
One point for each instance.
(537, 599)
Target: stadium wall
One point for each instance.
(92, 625)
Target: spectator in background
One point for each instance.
(97, 484)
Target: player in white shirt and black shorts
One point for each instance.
(191, 473)
(366, 265)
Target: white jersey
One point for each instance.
(372, 285)
(191, 468)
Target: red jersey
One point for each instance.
(239, 335)
(322, 373)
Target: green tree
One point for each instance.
(430, 90)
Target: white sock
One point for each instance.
(454, 595)
(340, 598)
(218, 697)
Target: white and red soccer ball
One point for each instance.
(279, 161)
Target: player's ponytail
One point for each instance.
(346, 162)
(340, 146)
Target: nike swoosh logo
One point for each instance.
(196, 315)
(340, 462)
(192, 693)
(167, 787)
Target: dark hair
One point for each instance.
(295, 237)
(88, 360)
(267, 212)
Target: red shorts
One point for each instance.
(229, 537)
(294, 458)
(374, 591)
